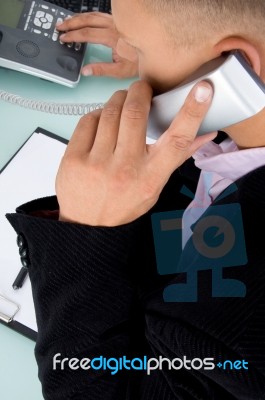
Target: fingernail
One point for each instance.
(203, 93)
(59, 23)
(87, 72)
(62, 36)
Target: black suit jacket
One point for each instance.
(97, 292)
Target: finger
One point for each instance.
(174, 146)
(121, 69)
(93, 19)
(134, 118)
(84, 134)
(103, 36)
(108, 127)
(201, 141)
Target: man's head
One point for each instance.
(203, 18)
(173, 38)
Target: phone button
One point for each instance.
(37, 22)
(46, 26)
(49, 17)
(40, 14)
(55, 36)
(78, 46)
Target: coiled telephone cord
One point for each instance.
(50, 107)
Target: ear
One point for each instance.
(248, 50)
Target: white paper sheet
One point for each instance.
(30, 175)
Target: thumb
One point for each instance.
(178, 142)
(201, 141)
(111, 69)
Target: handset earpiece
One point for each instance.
(239, 94)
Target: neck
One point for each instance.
(249, 133)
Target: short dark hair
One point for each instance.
(234, 17)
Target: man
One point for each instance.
(96, 287)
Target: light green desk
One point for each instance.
(18, 368)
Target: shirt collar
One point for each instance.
(227, 160)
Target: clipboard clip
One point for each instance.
(8, 318)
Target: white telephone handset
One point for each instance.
(238, 94)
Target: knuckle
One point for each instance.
(180, 142)
(121, 92)
(94, 14)
(134, 111)
(111, 110)
(193, 113)
(96, 169)
(98, 70)
(89, 118)
(150, 193)
(140, 87)
(139, 84)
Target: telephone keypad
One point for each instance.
(42, 19)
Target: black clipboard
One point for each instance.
(9, 319)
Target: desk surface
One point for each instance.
(18, 123)
(18, 368)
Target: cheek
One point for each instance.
(164, 74)
(156, 78)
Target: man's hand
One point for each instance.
(109, 176)
(98, 28)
